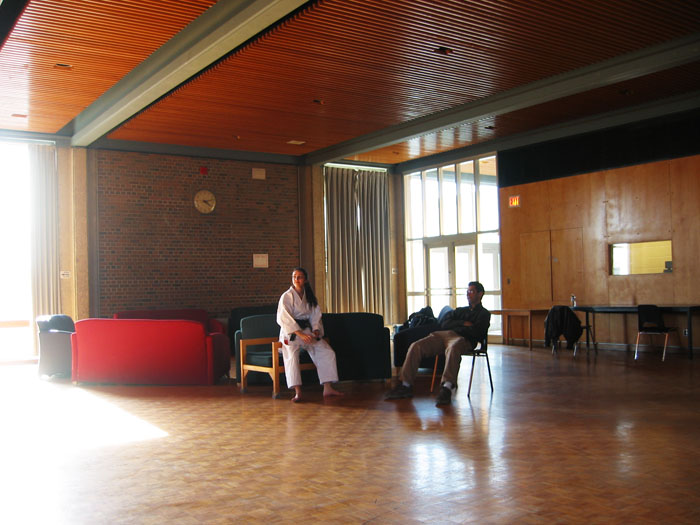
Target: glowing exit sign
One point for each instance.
(514, 201)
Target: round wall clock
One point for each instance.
(204, 201)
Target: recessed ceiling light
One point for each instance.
(296, 142)
(19, 115)
(442, 50)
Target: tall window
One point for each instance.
(15, 265)
(452, 235)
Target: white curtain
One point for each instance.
(43, 174)
(357, 240)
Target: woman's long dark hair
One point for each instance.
(308, 291)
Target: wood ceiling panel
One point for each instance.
(95, 44)
(661, 85)
(336, 70)
(370, 65)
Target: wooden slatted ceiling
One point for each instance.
(368, 64)
(100, 41)
(372, 65)
(665, 84)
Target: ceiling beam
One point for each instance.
(625, 67)
(660, 108)
(195, 151)
(31, 136)
(219, 30)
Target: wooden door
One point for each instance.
(536, 269)
(567, 265)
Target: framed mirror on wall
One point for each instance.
(638, 258)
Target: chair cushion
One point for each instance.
(655, 330)
(264, 357)
(255, 326)
(445, 310)
(234, 320)
(187, 314)
(60, 322)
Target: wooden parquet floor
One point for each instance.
(596, 439)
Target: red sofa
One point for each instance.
(147, 351)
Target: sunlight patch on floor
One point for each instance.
(47, 425)
(53, 417)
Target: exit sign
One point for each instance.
(514, 201)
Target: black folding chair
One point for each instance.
(651, 322)
(481, 350)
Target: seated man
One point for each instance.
(461, 331)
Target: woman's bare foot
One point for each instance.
(297, 395)
(328, 390)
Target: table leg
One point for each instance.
(590, 331)
(506, 318)
(690, 333)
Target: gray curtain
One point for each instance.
(357, 240)
(43, 173)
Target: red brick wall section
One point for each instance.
(157, 251)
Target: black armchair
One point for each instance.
(55, 356)
(404, 338)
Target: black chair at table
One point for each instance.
(562, 321)
(479, 351)
(650, 322)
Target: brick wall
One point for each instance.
(157, 251)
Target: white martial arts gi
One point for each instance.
(292, 307)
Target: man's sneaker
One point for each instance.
(444, 397)
(400, 391)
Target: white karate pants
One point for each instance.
(321, 354)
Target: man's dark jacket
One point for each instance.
(480, 318)
(561, 320)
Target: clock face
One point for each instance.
(204, 201)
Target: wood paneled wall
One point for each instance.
(556, 243)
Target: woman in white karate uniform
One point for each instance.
(299, 317)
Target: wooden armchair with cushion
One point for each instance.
(260, 351)
(234, 327)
